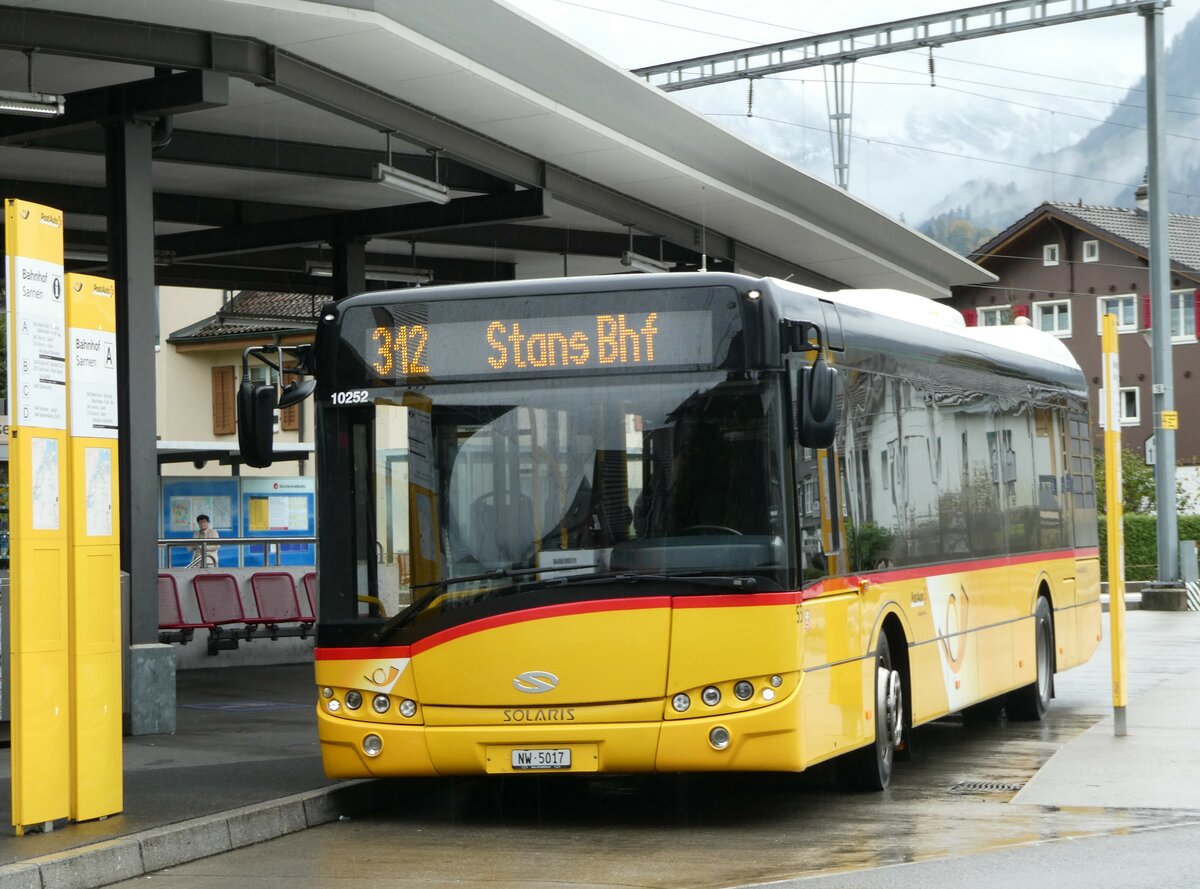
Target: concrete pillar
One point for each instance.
(131, 263)
(349, 268)
(152, 672)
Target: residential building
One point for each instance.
(1064, 266)
(200, 365)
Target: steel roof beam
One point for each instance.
(374, 222)
(444, 268)
(546, 239)
(132, 43)
(284, 156)
(286, 73)
(168, 207)
(147, 99)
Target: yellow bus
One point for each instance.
(685, 522)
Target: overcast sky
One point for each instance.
(997, 100)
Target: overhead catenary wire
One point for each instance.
(1025, 72)
(944, 153)
(803, 32)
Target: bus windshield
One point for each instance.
(481, 488)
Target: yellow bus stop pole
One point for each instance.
(1110, 411)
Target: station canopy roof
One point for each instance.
(271, 116)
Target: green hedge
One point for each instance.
(1141, 543)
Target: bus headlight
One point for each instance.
(353, 700)
(681, 702)
(408, 709)
(719, 737)
(334, 705)
(711, 696)
(372, 745)
(743, 690)
(327, 692)
(381, 703)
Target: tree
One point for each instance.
(1138, 494)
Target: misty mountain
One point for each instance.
(1096, 169)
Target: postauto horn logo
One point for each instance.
(534, 682)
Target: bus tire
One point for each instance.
(984, 711)
(1030, 703)
(870, 768)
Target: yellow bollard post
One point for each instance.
(37, 674)
(95, 557)
(1110, 411)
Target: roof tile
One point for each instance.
(1133, 226)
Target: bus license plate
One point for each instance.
(543, 758)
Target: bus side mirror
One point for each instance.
(294, 393)
(256, 423)
(817, 423)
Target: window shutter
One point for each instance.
(289, 417)
(1145, 298)
(224, 411)
(1196, 313)
(971, 317)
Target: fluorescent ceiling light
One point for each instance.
(640, 263)
(31, 104)
(383, 273)
(426, 189)
(85, 255)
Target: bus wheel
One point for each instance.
(871, 767)
(1031, 702)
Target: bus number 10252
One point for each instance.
(400, 350)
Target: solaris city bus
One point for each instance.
(684, 522)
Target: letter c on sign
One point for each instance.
(535, 682)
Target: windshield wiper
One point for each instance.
(437, 587)
(745, 583)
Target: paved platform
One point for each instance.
(1154, 765)
(243, 766)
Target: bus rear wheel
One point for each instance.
(871, 767)
(1030, 703)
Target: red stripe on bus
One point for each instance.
(736, 600)
(519, 617)
(956, 567)
(365, 653)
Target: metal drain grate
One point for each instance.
(985, 787)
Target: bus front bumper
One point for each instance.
(763, 739)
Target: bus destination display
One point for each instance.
(503, 347)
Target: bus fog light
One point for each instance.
(681, 702)
(719, 737)
(776, 681)
(353, 700)
(372, 745)
(768, 694)
(408, 709)
(743, 690)
(381, 703)
(334, 706)
(711, 696)
(327, 692)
